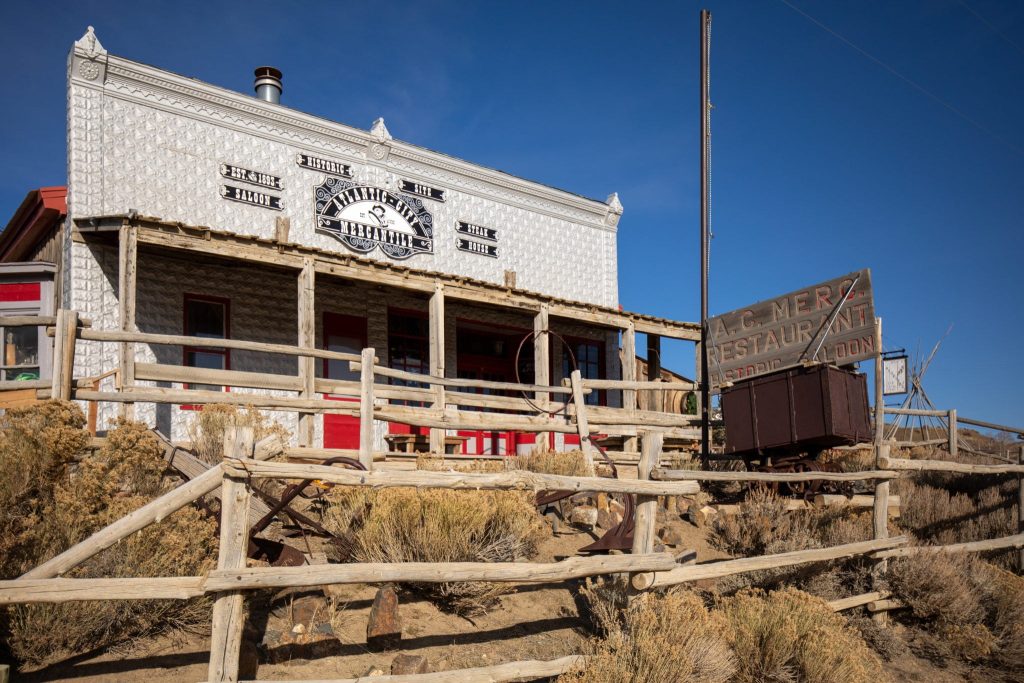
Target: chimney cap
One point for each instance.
(267, 71)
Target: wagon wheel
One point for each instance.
(800, 488)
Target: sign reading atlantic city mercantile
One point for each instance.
(363, 218)
(489, 234)
(325, 165)
(247, 176)
(252, 197)
(476, 247)
(422, 190)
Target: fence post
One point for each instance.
(306, 318)
(646, 516)
(542, 367)
(881, 523)
(57, 367)
(436, 352)
(1020, 507)
(366, 409)
(229, 606)
(954, 446)
(582, 425)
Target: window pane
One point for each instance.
(339, 369)
(205, 319)
(209, 361)
(21, 346)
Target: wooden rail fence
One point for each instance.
(245, 461)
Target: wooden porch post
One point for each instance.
(880, 515)
(437, 434)
(307, 338)
(542, 365)
(629, 375)
(127, 266)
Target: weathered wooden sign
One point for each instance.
(784, 331)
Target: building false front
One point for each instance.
(231, 205)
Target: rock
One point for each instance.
(584, 515)
(701, 516)
(552, 518)
(616, 506)
(324, 629)
(602, 502)
(373, 672)
(607, 519)
(384, 628)
(305, 608)
(671, 535)
(299, 629)
(408, 664)
(270, 638)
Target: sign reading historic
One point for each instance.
(479, 231)
(247, 176)
(325, 165)
(476, 247)
(251, 197)
(832, 322)
(422, 190)
(363, 218)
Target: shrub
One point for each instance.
(657, 639)
(438, 463)
(73, 501)
(206, 430)
(789, 635)
(569, 464)
(437, 525)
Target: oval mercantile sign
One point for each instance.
(363, 218)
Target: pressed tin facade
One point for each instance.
(145, 142)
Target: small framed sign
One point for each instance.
(245, 175)
(420, 190)
(479, 231)
(476, 247)
(335, 168)
(251, 197)
(894, 375)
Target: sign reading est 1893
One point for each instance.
(255, 177)
(489, 234)
(363, 218)
(251, 197)
(422, 190)
(326, 165)
(476, 247)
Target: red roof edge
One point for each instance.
(39, 212)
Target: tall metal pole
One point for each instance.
(705, 200)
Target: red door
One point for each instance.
(347, 334)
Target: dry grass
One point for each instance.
(438, 463)
(64, 503)
(437, 525)
(206, 430)
(664, 638)
(963, 606)
(764, 527)
(789, 635)
(569, 463)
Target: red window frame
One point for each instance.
(185, 350)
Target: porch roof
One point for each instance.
(157, 232)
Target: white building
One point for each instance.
(194, 210)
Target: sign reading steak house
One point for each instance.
(363, 217)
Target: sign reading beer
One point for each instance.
(476, 247)
(815, 323)
(363, 218)
(251, 197)
(479, 231)
(326, 165)
(422, 190)
(255, 177)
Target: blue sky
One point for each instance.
(824, 160)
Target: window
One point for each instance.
(588, 360)
(19, 346)
(408, 347)
(207, 317)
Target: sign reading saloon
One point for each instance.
(781, 332)
(364, 217)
